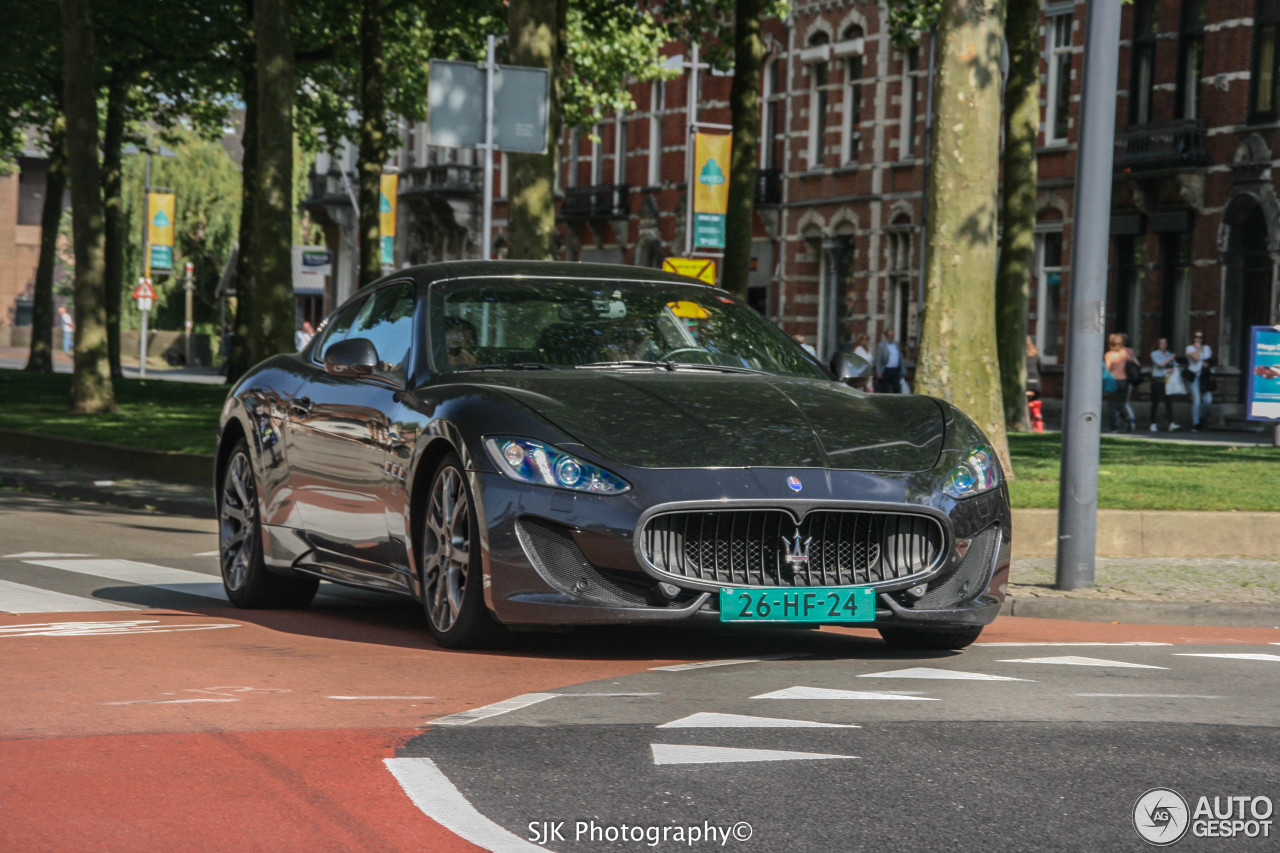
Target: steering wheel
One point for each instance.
(675, 352)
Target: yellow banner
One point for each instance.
(160, 219)
(711, 172)
(387, 205)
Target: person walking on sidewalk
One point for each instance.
(68, 328)
(1117, 357)
(1198, 352)
(1163, 362)
(888, 365)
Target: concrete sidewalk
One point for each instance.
(1203, 589)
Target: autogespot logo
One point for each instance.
(1161, 816)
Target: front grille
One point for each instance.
(766, 547)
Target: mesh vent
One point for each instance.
(559, 559)
(970, 578)
(767, 547)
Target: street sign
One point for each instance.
(711, 190)
(145, 294)
(144, 290)
(456, 106)
(1264, 374)
(699, 268)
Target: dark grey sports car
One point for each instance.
(517, 444)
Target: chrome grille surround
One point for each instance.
(710, 546)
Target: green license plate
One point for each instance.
(802, 604)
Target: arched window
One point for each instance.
(819, 94)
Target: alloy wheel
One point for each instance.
(446, 548)
(237, 522)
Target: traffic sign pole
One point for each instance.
(189, 287)
(144, 294)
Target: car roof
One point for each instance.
(543, 269)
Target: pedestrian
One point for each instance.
(888, 365)
(1198, 355)
(804, 342)
(68, 328)
(1163, 364)
(1035, 406)
(863, 351)
(1116, 360)
(303, 335)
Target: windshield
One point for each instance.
(566, 324)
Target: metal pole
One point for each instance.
(486, 237)
(146, 216)
(690, 156)
(142, 345)
(188, 286)
(1081, 422)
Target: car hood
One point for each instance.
(697, 419)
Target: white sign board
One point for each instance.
(456, 106)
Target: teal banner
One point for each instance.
(162, 257)
(388, 251)
(708, 230)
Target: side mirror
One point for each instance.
(850, 368)
(352, 357)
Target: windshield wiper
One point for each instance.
(605, 365)
(723, 368)
(522, 365)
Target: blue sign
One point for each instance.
(1264, 374)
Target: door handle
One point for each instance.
(302, 405)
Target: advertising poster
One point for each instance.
(387, 217)
(1264, 374)
(160, 212)
(711, 189)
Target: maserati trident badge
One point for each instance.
(797, 552)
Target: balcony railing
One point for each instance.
(328, 188)
(768, 187)
(603, 201)
(443, 179)
(1168, 145)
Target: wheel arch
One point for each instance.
(419, 495)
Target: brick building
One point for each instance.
(843, 174)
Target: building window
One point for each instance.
(772, 93)
(1047, 293)
(907, 131)
(620, 148)
(852, 134)
(1124, 304)
(898, 313)
(819, 90)
(657, 103)
(1144, 56)
(1190, 58)
(571, 161)
(1175, 319)
(597, 155)
(1266, 51)
(1058, 88)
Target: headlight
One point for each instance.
(977, 472)
(534, 462)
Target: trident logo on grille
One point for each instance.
(797, 552)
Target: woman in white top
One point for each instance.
(1197, 353)
(862, 351)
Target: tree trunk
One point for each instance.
(744, 105)
(536, 40)
(273, 206)
(243, 354)
(373, 139)
(41, 357)
(958, 347)
(1018, 212)
(113, 202)
(91, 390)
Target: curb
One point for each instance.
(188, 469)
(1221, 614)
(124, 497)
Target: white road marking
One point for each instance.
(97, 629)
(168, 701)
(707, 720)
(707, 664)
(42, 554)
(608, 695)
(104, 482)
(669, 753)
(20, 598)
(1146, 696)
(928, 672)
(379, 697)
(207, 554)
(144, 574)
(437, 798)
(1240, 656)
(826, 693)
(1074, 660)
(463, 718)
(1015, 645)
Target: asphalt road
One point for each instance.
(157, 717)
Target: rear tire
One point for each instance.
(921, 639)
(452, 575)
(245, 577)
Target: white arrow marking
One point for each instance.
(1146, 696)
(20, 598)
(707, 664)
(39, 554)
(380, 697)
(706, 720)
(669, 753)
(1242, 656)
(927, 672)
(483, 713)
(97, 629)
(437, 798)
(207, 554)
(1073, 660)
(825, 693)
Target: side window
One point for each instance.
(387, 322)
(338, 327)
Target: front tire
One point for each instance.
(452, 577)
(245, 577)
(921, 639)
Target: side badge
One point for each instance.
(795, 484)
